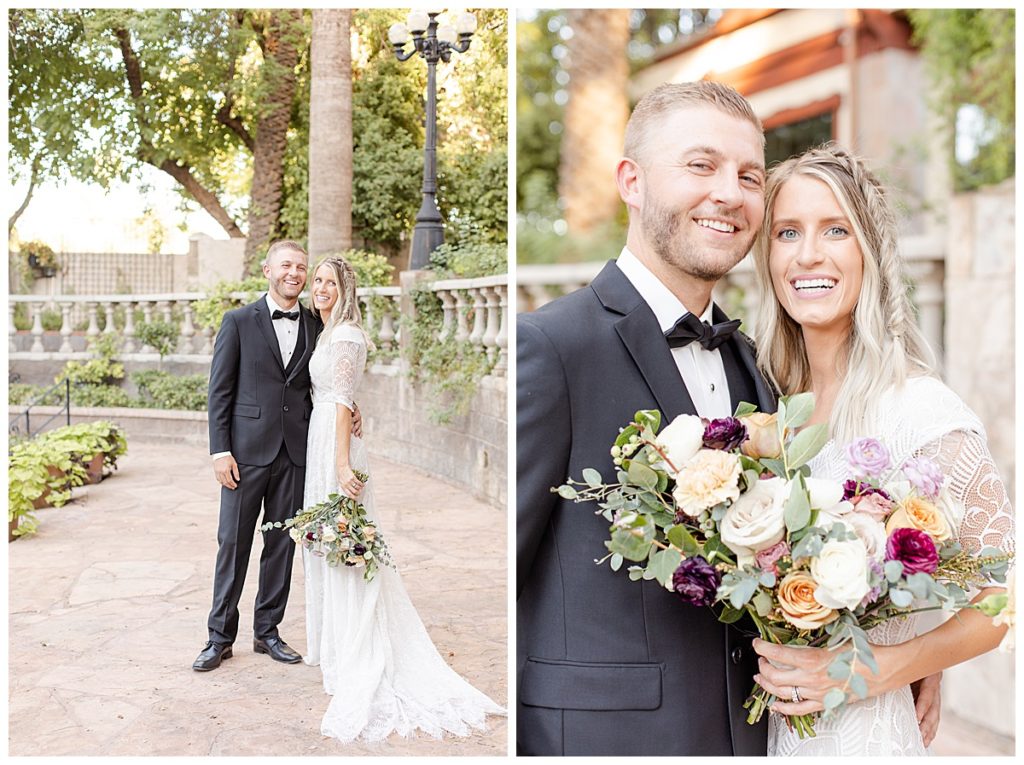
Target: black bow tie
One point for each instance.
(690, 328)
(293, 315)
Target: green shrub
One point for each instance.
(159, 335)
(102, 369)
(468, 261)
(100, 395)
(372, 270)
(162, 390)
(218, 301)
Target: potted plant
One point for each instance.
(39, 473)
(40, 258)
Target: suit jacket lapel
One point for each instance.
(640, 333)
(266, 325)
(744, 350)
(309, 330)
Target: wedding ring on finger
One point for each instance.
(797, 698)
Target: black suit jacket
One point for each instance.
(605, 665)
(254, 403)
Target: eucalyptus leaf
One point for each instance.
(681, 537)
(730, 615)
(799, 409)
(616, 562)
(900, 598)
(919, 584)
(859, 686)
(565, 491)
(839, 669)
(774, 466)
(744, 408)
(798, 506)
(663, 564)
(762, 603)
(834, 699)
(642, 475)
(806, 444)
(635, 573)
(893, 570)
(742, 592)
(592, 478)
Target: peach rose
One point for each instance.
(762, 436)
(709, 478)
(796, 600)
(915, 512)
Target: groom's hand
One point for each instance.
(927, 704)
(357, 422)
(226, 470)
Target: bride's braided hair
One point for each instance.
(346, 309)
(885, 344)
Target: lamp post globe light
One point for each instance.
(434, 41)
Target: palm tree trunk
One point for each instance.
(595, 117)
(330, 133)
(281, 56)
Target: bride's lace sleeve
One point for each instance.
(973, 481)
(347, 359)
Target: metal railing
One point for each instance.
(42, 400)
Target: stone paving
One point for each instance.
(108, 606)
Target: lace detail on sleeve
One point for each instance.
(347, 358)
(973, 481)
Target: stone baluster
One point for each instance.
(368, 316)
(164, 307)
(462, 328)
(108, 318)
(501, 365)
(147, 318)
(188, 329)
(490, 338)
(94, 326)
(12, 331)
(129, 326)
(479, 317)
(66, 328)
(396, 311)
(387, 328)
(207, 341)
(448, 304)
(928, 296)
(37, 327)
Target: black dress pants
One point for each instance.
(277, 490)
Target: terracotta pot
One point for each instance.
(11, 527)
(94, 469)
(43, 499)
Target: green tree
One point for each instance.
(969, 55)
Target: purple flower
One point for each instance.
(853, 489)
(914, 549)
(725, 434)
(696, 581)
(924, 475)
(766, 559)
(874, 592)
(868, 457)
(359, 549)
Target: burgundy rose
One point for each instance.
(914, 549)
(359, 549)
(767, 558)
(726, 434)
(696, 581)
(853, 489)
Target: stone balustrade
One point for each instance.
(539, 284)
(475, 310)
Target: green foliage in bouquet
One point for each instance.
(338, 530)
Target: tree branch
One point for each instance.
(179, 171)
(36, 160)
(224, 116)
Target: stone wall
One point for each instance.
(980, 338)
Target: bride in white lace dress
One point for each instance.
(378, 662)
(841, 325)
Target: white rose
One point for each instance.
(328, 534)
(756, 520)
(681, 439)
(869, 531)
(295, 533)
(841, 571)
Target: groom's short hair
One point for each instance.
(284, 244)
(676, 95)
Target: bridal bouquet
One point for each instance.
(338, 530)
(726, 513)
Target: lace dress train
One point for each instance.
(379, 664)
(923, 418)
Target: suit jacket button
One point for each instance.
(737, 655)
(286, 409)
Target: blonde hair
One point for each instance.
(346, 307)
(677, 95)
(885, 345)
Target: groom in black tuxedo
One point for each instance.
(605, 665)
(259, 407)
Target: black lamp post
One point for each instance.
(434, 42)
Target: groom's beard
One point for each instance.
(662, 226)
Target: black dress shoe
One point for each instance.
(277, 649)
(211, 657)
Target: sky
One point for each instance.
(79, 217)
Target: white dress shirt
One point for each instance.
(287, 332)
(702, 370)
